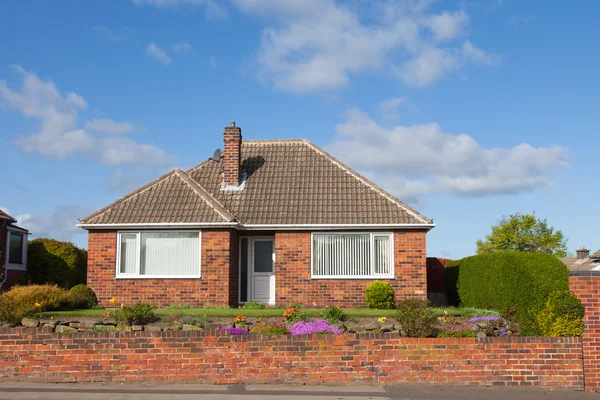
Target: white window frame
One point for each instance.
(373, 275)
(119, 275)
(22, 266)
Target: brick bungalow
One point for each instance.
(271, 221)
(13, 251)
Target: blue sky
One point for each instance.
(467, 110)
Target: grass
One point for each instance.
(269, 312)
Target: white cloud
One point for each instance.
(389, 108)
(159, 54)
(58, 224)
(110, 127)
(61, 135)
(316, 45)
(122, 150)
(415, 160)
(212, 8)
(58, 136)
(182, 47)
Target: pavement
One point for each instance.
(39, 391)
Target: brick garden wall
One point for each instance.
(213, 288)
(26, 354)
(293, 275)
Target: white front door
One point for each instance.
(262, 270)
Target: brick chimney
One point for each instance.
(231, 155)
(582, 253)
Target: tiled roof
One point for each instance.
(5, 216)
(172, 198)
(585, 264)
(288, 182)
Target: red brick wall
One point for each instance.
(3, 245)
(293, 281)
(13, 277)
(27, 355)
(211, 289)
(586, 286)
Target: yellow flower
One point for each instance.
(113, 300)
(122, 305)
(382, 320)
(38, 305)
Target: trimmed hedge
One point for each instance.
(51, 261)
(516, 284)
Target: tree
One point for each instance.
(524, 232)
(56, 262)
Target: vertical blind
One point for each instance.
(352, 254)
(160, 253)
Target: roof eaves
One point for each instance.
(368, 183)
(200, 191)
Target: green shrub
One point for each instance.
(138, 314)
(567, 326)
(416, 318)
(56, 262)
(333, 314)
(253, 305)
(516, 281)
(562, 315)
(457, 333)
(22, 301)
(193, 320)
(266, 329)
(82, 296)
(380, 295)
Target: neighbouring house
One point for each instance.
(13, 251)
(272, 221)
(583, 261)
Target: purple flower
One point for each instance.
(503, 332)
(488, 318)
(308, 328)
(234, 331)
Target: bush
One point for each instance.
(82, 296)
(416, 318)
(56, 262)
(562, 315)
(22, 301)
(265, 329)
(516, 281)
(461, 333)
(334, 314)
(138, 314)
(380, 295)
(567, 326)
(252, 305)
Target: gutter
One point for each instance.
(256, 227)
(166, 225)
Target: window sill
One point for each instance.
(16, 267)
(157, 277)
(368, 277)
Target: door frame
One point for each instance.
(250, 269)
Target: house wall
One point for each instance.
(217, 285)
(293, 283)
(3, 250)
